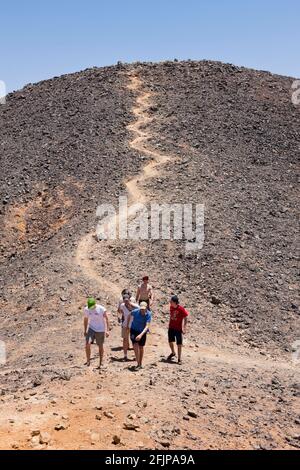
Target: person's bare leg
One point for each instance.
(172, 348)
(141, 355)
(125, 346)
(101, 354)
(88, 353)
(136, 352)
(179, 346)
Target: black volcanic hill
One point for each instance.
(64, 147)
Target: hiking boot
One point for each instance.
(170, 357)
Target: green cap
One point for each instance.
(91, 302)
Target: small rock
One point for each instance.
(192, 414)
(215, 300)
(165, 443)
(45, 438)
(35, 441)
(95, 437)
(131, 426)
(116, 440)
(145, 420)
(60, 427)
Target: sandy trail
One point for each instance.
(136, 195)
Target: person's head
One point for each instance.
(143, 308)
(126, 299)
(91, 303)
(174, 301)
(145, 279)
(125, 292)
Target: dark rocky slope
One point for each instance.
(240, 135)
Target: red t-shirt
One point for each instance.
(176, 317)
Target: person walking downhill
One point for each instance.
(96, 327)
(145, 292)
(177, 327)
(125, 318)
(125, 292)
(141, 319)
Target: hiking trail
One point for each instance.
(133, 185)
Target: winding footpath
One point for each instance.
(133, 186)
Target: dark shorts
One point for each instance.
(93, 335)
(175, 335)
(134, 334)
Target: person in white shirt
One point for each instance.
(96, 327)
(121, 301)
(124, 310)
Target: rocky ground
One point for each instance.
(232, 139)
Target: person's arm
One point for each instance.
(137, 297)
(139, 337)
(119, 313)
(107, 323)
(151, 295)
(134, 305)
(185, 321)
(85, 325)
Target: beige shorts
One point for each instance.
(124, 332)
(93, 335)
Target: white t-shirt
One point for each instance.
(121, 301)
(96, 318)
(125, 313)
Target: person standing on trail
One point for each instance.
(145, 292)
(177, 327)
(96, 327)
(132, 299)
(124, 311)
(141, 319)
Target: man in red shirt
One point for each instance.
(177, 327)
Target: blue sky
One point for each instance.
(40, 39)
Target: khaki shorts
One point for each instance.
(93, 335)
(124, 332)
